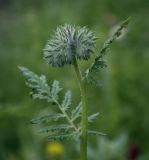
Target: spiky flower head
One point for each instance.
(67, 43)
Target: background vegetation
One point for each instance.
(122, 99)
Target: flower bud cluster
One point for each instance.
(69, 42)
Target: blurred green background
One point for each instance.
(122, 99)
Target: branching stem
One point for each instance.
(83, 145)
(67, 116)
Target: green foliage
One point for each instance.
(63, 136)
(124, 102)
(68, 45)
(55, 90)
(41, 90)
(96, 133)
(99, 61)
(67, 100)
(92, 117)
(53, 128)
(76, 113)
(47, 118)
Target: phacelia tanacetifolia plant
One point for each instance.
(68, 45)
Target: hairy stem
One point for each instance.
(83, 145)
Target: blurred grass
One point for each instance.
(122, 100)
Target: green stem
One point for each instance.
(83, 145)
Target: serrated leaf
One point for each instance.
(55, 89)
(57, 128)
(67, 100)
(76, 113)
(96, 133)
(62, 136)
(40, 96)
(92, 117)
(38, 84)
(41, 90)
(47, 118)
(28, 74)
(99, 62)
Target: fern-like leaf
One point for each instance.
(38, 84)
(41, 90)
(67, 100)
(76, 113)
(55, 89)
(56, 128)
(99, 63)
(62, 137)
(96, 133)
(92, 117)
(47, 118)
